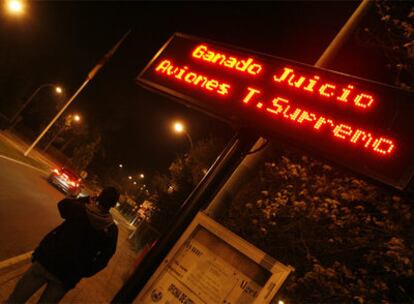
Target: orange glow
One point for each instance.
(312, 83)
(359, 100)
(323, 90)
(342, 131)
(345, 93)
(281, 108)
(327, 90)
(282, 77)
(298, 83)
(383, 146)
(248, 65)
(184, 74)
(277, 103)
(361, 135)
(305, 116)
(250, 94)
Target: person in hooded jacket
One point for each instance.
(79, 247)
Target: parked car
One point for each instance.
(66, 181)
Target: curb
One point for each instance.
(15, 260)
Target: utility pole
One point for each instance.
(252, 161)
(90, 76)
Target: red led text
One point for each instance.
(283, 109)
(241, 65)
(184, 74)
(324, 89)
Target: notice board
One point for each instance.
(210, 264)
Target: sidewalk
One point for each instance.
(100, 288)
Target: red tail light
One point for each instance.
(72, 183)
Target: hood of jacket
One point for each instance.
(99, 219)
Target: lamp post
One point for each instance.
(90, 76)
(14, 120)
(180, 128)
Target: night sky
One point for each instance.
(62, 41)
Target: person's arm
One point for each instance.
(71, 208)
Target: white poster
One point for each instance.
(205, 269)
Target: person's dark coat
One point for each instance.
(82, 245)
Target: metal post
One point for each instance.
(56, 117)
(91, 75)
(251, 162)
(190, 140)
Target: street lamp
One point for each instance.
(14, 119)
(76, 118)
(180, 128)
(15, 7)
(120, 165)
(141, 175)
(66, 125)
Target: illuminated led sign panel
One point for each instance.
(360, 124)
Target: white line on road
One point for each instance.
(15, 260)
(23, 164)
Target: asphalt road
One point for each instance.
(27, 208)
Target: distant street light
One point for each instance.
(14, 119)
(90, 76)
(66, 125)
(15, 7)
(141, 175)
(130, 177)
(180, 128)
(135, 183)
(120, 165)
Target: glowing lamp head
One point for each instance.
(130, 177)
(178, 127)
(120, 165)
(15, 7)
(141, 175)
(76, 118)
(58, 90)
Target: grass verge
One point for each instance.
(8, 150)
